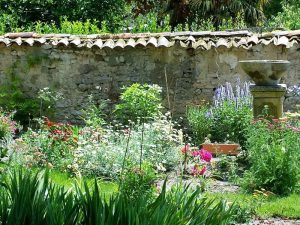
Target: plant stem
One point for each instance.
(125, 155)
(142, 144)
(41, 105)
(167, 86)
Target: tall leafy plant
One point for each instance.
(48, 204)
(252, 11)
(273, 153)
(226, 119)
(199, 118)
(139, 102)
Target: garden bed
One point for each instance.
(148, 158)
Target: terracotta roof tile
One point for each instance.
(120, 43)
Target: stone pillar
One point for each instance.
(272, 96)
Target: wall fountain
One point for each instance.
(266, 91)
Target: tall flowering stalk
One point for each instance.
(240, 96)
(226, 119)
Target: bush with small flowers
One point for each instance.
(8, 127)
(52, 145)
(273, 153)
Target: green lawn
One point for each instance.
(266, 207)
(63, 179)
(288, 207)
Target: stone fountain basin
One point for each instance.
(265, 72)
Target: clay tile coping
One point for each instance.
(201, 39)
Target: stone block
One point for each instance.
(270, 96)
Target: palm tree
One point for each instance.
(184, 11)
(179, 11)
(251, 10)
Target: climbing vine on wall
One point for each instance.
(12, 96)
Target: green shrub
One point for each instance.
(93, 115)
(139, 103)
(136, 181)
(7, 23)
(288, 18)
(66, 26)
(200, 121)
(226, 119)
(273, 154)
(229, 122)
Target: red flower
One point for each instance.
(48, 122)
(202, 171)
(197, 171)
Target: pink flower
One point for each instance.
(185, 149)
(205, 155)
(296, 129)
(196, 153)
(197, 171)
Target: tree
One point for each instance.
(179, 11)
(186, 11)
(26, 12)
(250, 10)
(273, 8)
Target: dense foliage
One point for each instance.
(92, 16)
(226, 119)
(47, 203)
(27, 11)
(273, 148)
(141, 133)
(288, 17)
(139, 103)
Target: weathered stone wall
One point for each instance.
(191, 75)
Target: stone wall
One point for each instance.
(190, 74)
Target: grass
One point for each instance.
(287, 207)
(265, 207)
(64, 179)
